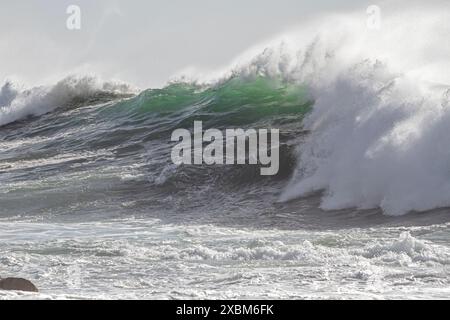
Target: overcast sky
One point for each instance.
(142, 41)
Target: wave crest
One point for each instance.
(16, 104)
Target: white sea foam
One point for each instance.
(151, 259)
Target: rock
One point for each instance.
(17, 284)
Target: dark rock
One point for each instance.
(17, 284)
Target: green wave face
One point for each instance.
(238, 101)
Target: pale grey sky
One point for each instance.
(142, 41)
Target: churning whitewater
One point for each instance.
(93, 207)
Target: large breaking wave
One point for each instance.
(377, 130)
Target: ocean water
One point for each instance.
(91, 206)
